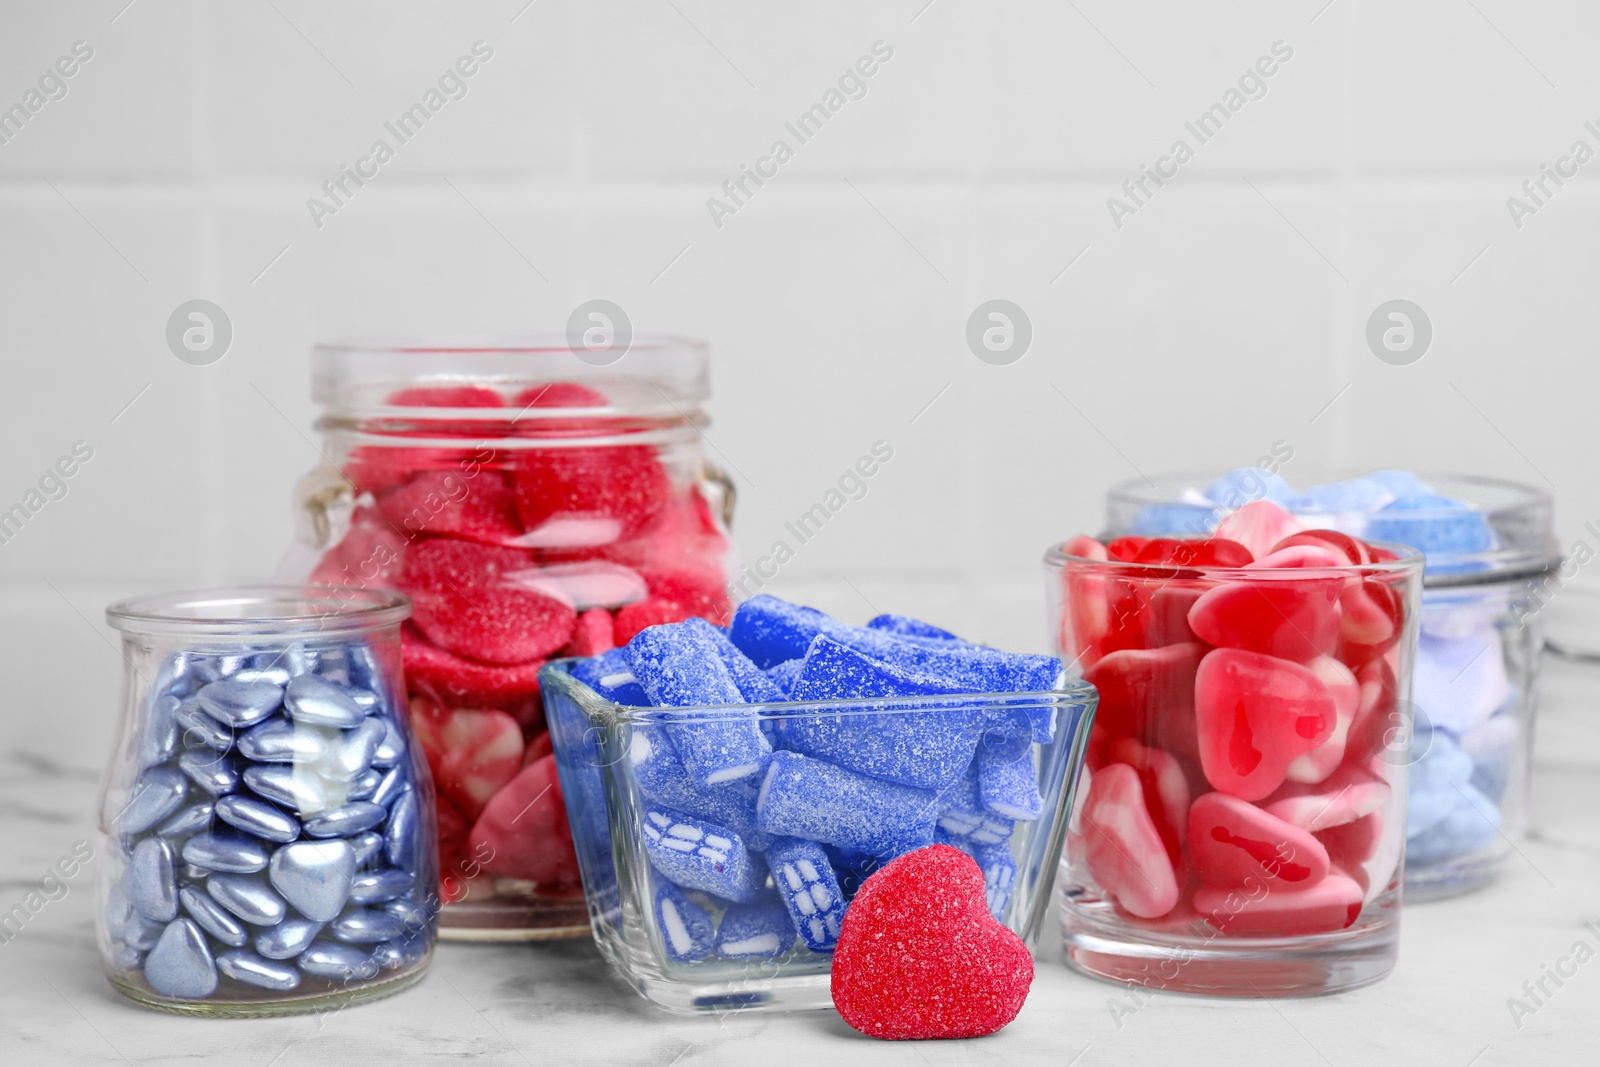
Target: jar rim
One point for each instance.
(258, 610)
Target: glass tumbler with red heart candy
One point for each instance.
(1244, 821)
(534, 504)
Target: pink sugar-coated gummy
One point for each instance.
(920, 957)
(461, 602)
(449, 503)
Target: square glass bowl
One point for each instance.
(604, 749)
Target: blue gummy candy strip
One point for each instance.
(805, 880)
(906, 626)
(1008, 783)
(695, 854)
(663, 779)
(816, 800)
(754, 686)
(761, 929)
(685, 926)
(679, 667)
(611, 675)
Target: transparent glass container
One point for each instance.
(1243, 823)
(1491, 568)
(266, 824)
(532, 504)
(677, 947)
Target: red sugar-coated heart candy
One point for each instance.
(446, 396)
(1123, 549)
(1372, 619)
(462, 602)
(1208, 552)
(1352, 550)
(1257, 714)
(472, 752)
(1232, 842)
(1299, 557)
(461, 683)
(373, 468)
(524, 829)
(920, 957)
(1166, 790)
(1169, 614)
(593, 634)
(1148, 694)
(1257, 526)
(1321, 761)
(559, 395)
(635, 617)
(1332, 904)
(1350, 793)
(1294, 618)
(1353, 843)
(449, 503)
(1122, 847)
(624, 485)
(368, 556)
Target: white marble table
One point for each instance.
(556, 1004)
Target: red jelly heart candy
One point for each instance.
(1295, 618)
(1332, 904)
(1256, 715)
(920, 957)
(463, 602)
(446, 396)
(1122, 847)
(537, 749)
(369, 555)
(1257, 526)
(523, 833)
(454, 865)
(1349, 794)
(1348, 547)
(1208, 552)
(1123, 549)
(1299, 557)
(1231, 842)
(593, 634)
(559, 395)
(1149, 694)
(1353, 843)
(1087, 616)
(473, 753)
(1321, 761)
(1378, 724)
(1169, 614)
(1373, 618)
(1166, 790)
(457, 682)
(450, 503)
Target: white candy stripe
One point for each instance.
(808, 870)
(802, 904)
(677, 846)
(760, 944)
(677, 930)
(791, 877)
(718, 841)
(713, 855)
(820, 894)
(688, 833)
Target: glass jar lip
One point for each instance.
(558, 673)
(260, 610)
(1408, 560)
(657, 373)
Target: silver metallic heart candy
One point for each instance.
(314, 877)
(258, 818)
(366, 845)
(330, 959)
(334, 664)
(280, 741)
(192, 874)
(227, 851)
(153, 880)
(366, 926)
(251, 899)
(212, 917)
(393, 784)
(251, 969)
(341, 822)
(375, 887)
(189, 821)
(124, 958)
(141, 933)
(160, 733)
(278, 676)
(400, 836)
(118, 911)
(391, 748)
(240, 704)
(364, 787)
(350, 756)
(216, 773)
(288, 939)
(415, 916)
(296, 788)
(314, 702)
(156, 795)
(180, 965)
(402, 953)
(200, 730)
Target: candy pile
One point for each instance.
(1237, 763)
(761, 819)
(272, 834)
(1468, 714)
(515, 554)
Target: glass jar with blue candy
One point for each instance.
(1491, 566)
(266, 823)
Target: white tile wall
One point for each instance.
(1220, 318)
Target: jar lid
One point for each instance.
(260, 610)
(1470, 529)
(380, 376)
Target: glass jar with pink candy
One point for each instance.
(1243, 827)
